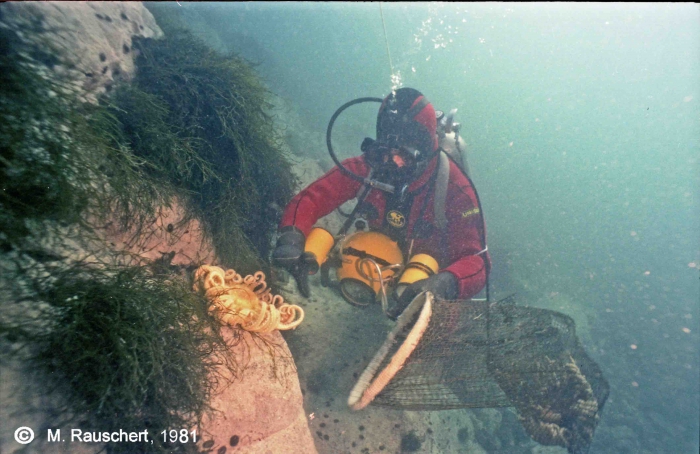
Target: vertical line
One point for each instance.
(391, 65)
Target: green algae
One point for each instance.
(218, 107)
(37, 169)
(127, 348)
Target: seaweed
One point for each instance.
(63, 163)
(37, 168)
(130, 348)
(218, 107)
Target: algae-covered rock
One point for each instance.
(94, 38)
(215, 107)
(188, 149)
(58, 161)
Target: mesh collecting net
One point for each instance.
(460, 354)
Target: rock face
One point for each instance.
(261, 412)
(258, 411)
(94, 38)
(171, 238)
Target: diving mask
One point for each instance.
(393, 161)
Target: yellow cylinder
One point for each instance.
(420, 266)
(319, 243)
(358, 278)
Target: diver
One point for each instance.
(409, 190)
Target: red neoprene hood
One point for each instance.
(406, 116)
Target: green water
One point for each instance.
(583, 126)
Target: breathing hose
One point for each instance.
(368, 181)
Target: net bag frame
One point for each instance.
(478, 354)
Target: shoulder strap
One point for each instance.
(443, 179)
(455, 153)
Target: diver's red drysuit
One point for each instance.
(456, 248)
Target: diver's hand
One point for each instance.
(289, 254)
(443, 285)
(289, 248)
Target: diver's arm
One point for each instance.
(471, 275)
(323, 196)
(464, 234)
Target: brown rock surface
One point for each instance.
(260, 411)
(171, 236)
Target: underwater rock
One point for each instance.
(89, 37)
(171, 236)
(260, 411)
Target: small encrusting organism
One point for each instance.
(246, 301)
